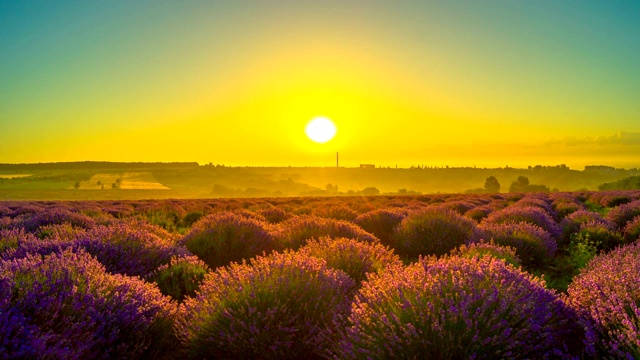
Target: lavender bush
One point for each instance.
(433, 232)
(533, 245)
(355, 258)
(181, 277)
(275, 215)
(381, 223)
(613, 199)
(191, 218)
(479, 213)
(566, 208)
(278, 307)
(609, 289)
(459, 308)
(63, 231)
(125, 250)
(619, 215)
(69, 307)
(506, 253)
(603, 235)
(537, 200)
(459, 206)
(31, 222)
(632, 230)
(222, 238)
(528, 214)
(572, 223)
(295, 232)
(11, 239)
(336, 212)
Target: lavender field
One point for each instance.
(489, 276)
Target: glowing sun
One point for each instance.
(320, 129)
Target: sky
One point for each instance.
(432, 83)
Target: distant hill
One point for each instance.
(96, 165)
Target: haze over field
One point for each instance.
(459, 83)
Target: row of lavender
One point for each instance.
(383, 277)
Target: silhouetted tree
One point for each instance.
(523, 180)
(76, 185)
(520, 185)
(491, 185)
(370, 191)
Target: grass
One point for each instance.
(568, 264)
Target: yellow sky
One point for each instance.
(456, 83)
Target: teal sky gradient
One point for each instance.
(526, 82)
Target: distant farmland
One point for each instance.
(125, 181)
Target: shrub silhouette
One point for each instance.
(433, 232)
(381, 223)
(221, 238)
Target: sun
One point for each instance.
(320, 129)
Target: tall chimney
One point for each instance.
(337, 160)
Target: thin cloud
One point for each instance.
(623, 138)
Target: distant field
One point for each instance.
(127, 181)
(13, 176)
(46, 182)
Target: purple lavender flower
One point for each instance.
(11, 239)
(433, 231)
(336, 212)
(355, 258)
(632, 230)
(478, 213)
(459, 308)
(19, 244)
(608, 288)
(295, 232)
(459, 206)
(534, 246)
(572, 222)
(24, 209)
(537, 200)
(602, 234)
(53, 216)
(282, 306)
(124, 249)
(67, 306)
(480, 249)
(529, 214)
(222, 238)
(181, 277)
(381, 223)
(275, 215)
(619, 215)
(614, 198)
(566, 206)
